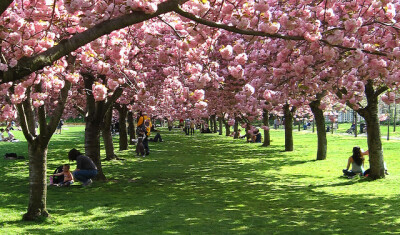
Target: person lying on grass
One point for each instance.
(357, 163)
(85, 167)
(68, 179)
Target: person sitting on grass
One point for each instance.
(85, 167)
(256, 138)
(357, 163)
(10, 136)
(68, 179)
(206, 129)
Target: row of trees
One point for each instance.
(233, 60)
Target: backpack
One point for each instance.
(60, 178)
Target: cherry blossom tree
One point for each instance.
(348, 48)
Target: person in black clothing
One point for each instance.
(85, 167)
(158, 137)
(256, 136)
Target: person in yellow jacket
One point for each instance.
(144, 127)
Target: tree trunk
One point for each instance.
(388, 129)
(355, 122)
(248, 136)
(215, 123)
(313, 126)
(321, 132)
(236, 128)
(267, 138)
(123, 135)
(131, 128)
(288, 114)
(37, 181)
(38, 145)
(107, 136)
(220, 125)
(94, 118)
(227, 128)
(92, 145)
(370, 114)
(394, 117)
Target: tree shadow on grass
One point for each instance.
(186, 188)
(165, 206)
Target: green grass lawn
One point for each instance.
(209, 184)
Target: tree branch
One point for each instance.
(233, 29)
(380, 90)
(80, 110)
(117, 93)
(23, 123)
(41, 114)
(27, 65)
(4, 4)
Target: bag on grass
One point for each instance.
(10, 156)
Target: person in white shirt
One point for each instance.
(10, 135)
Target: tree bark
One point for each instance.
(37, 180)
(92, 145)
(321, 132)
(131, 128)
(4, 4)
(107, 136)
(248, 136)
(214, 117)
(123, 134)
(313, 126)
(94, 118)
(236, 128)
(267, 138)
(370, 114)
(220, 125)
(394, 117)
(356, 124)
(227, 130)
(288, 114)
(38, 145)
(227, 127)
(388, 125)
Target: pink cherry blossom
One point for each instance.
(226, 52)
(99, 92)
(266, 128)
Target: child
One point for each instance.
(10, 136)
(68, 179)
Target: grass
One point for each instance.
(209, 184)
